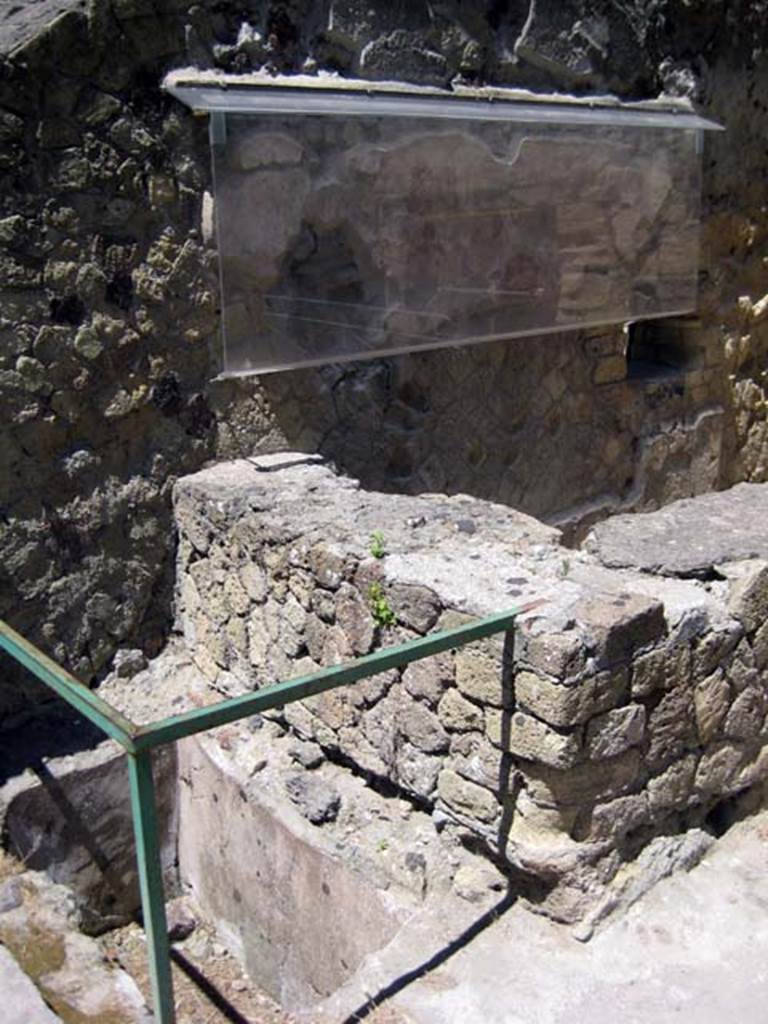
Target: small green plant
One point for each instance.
(377, 547)
(565, 567)
(382, 845)
(380, 610)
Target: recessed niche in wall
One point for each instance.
(354, 224)
(664, 348)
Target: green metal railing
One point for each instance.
(139, 741)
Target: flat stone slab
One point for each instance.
(21, 22)
(688, 537)
(22, 1003)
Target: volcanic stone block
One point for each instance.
(459, 714)
(529, 738)
(748, 599)
(568, 705)
(466, 797)
(711, 698)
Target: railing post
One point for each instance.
(146, 831)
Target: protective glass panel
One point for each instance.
(350, 237)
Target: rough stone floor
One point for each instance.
(694, 950)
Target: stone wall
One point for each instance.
(627, 706)
(108, 303)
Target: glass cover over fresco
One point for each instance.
(349, 236)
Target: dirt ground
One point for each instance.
(209, 985)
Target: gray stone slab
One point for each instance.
(22, 1003)
(20, 22)
(688, 537)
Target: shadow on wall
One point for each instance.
(543, 424)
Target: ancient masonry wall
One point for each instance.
(625, 707)
(108, 303)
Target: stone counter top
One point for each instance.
(626, 706)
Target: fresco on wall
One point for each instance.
(347, 238)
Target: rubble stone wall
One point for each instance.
(108, 300)
(625, 707)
